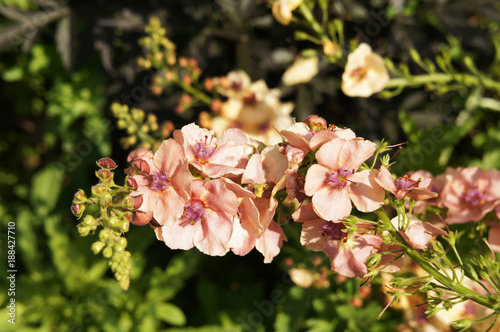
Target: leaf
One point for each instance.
(13, 74)
(45, 189)
(27, 240)
(170, 314)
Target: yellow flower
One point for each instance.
(365, 73)
(282, 10)
(301, 71)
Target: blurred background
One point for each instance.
(63, 63)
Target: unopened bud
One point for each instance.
(132, 183)
(137, 201)
(113, 221)
(461, 324)
(128, 202)
(77, 210)
(141, 165)
(99, 189)
(107, 252)
(124, 226)
(106, 163)
(97, 247)
(89, 220)
(104, 175)
(142, 218)
(83, 230)
(80, 197)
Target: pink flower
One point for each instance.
(468, 194)
(163, 182)
(207, 220)
(418, 233)
(494, 238)
(214, 158)
(333, 183)
(314, 132)
(348, 254)
(405, 186)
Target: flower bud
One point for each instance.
(117, 248)
(106, 163)
(97, 247)
(142, 218)
(113, 221)
(104, 234)
(141, 165)
(122, 241)
(83, 230)
(104, 175)
(107, 252)
(374, 260)
(106, 200)
(99, 189)
(77, 210)
(88, 220)
(80, 197)
(137, 201)
(127, 202)
(461, 324)
(124, 226)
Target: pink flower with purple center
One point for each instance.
(159, 181)
(474, 197)
(193, 212)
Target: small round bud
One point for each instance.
(104, 175)
(77, 210)
(104, 234)
(127, 202)
(97, 247)
(99, 189)
(88, 220)
(107, 252)
(80, 197)
(137, 201)
(106, 200)
(461, 324)
(141, 165)
(122, 241)
(124, 226)
(83, 230)
(106, 163)
(113, 221)
(117, 248)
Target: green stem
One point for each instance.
(465, 79)
(308, 15)
(195, 92)
(461, 290)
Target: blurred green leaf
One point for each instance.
(170, 314)
(45, 190)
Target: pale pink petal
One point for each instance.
(328, 154)
(355, 152)
(254, 172)
(220, 199)
(179, 237)
(386, 181)
(250, 217)
(170, 207)
(419, 234)
(365, 193)
(343, 261)
(142, 153)
(275, 164)
(214, 234)
(332, 204)
(494, 238)
(297, 136)
(241, 242)
(315, 179)
(388, 262)
(270, 243)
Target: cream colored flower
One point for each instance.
(301, 71)
(236, 84)
(282, 10)
(365, 73)
(258, 112)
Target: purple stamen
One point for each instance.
(339, 178)
(205, 149)
(333, 231)
(474, 197)
(159, 181)
(193, 212)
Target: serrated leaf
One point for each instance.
(170, 314)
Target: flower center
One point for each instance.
(474, 197)
(193, 212)
(333, 231)
(204, 149)
(159, 181)
(404, 183)
(358, 73)
(339, 178)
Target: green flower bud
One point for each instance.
(124, 226)
(104, 234)
(106, 200)
(113, 221)
(83, 230)
(461, 324)
(122, 241)
(99, 189)
(80, 197)
(117, 248)
(128, 202)
(77, 210)
(374, 260)
(97, 247)
(107, 252)
(88, 220)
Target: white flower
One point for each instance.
(282, 10)
(365, 73)
(301, 71)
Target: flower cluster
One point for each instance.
(250, 106)
(215, 194)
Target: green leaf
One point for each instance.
(170, 314)
(39, 60)
(46, 188)
(13, 74)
